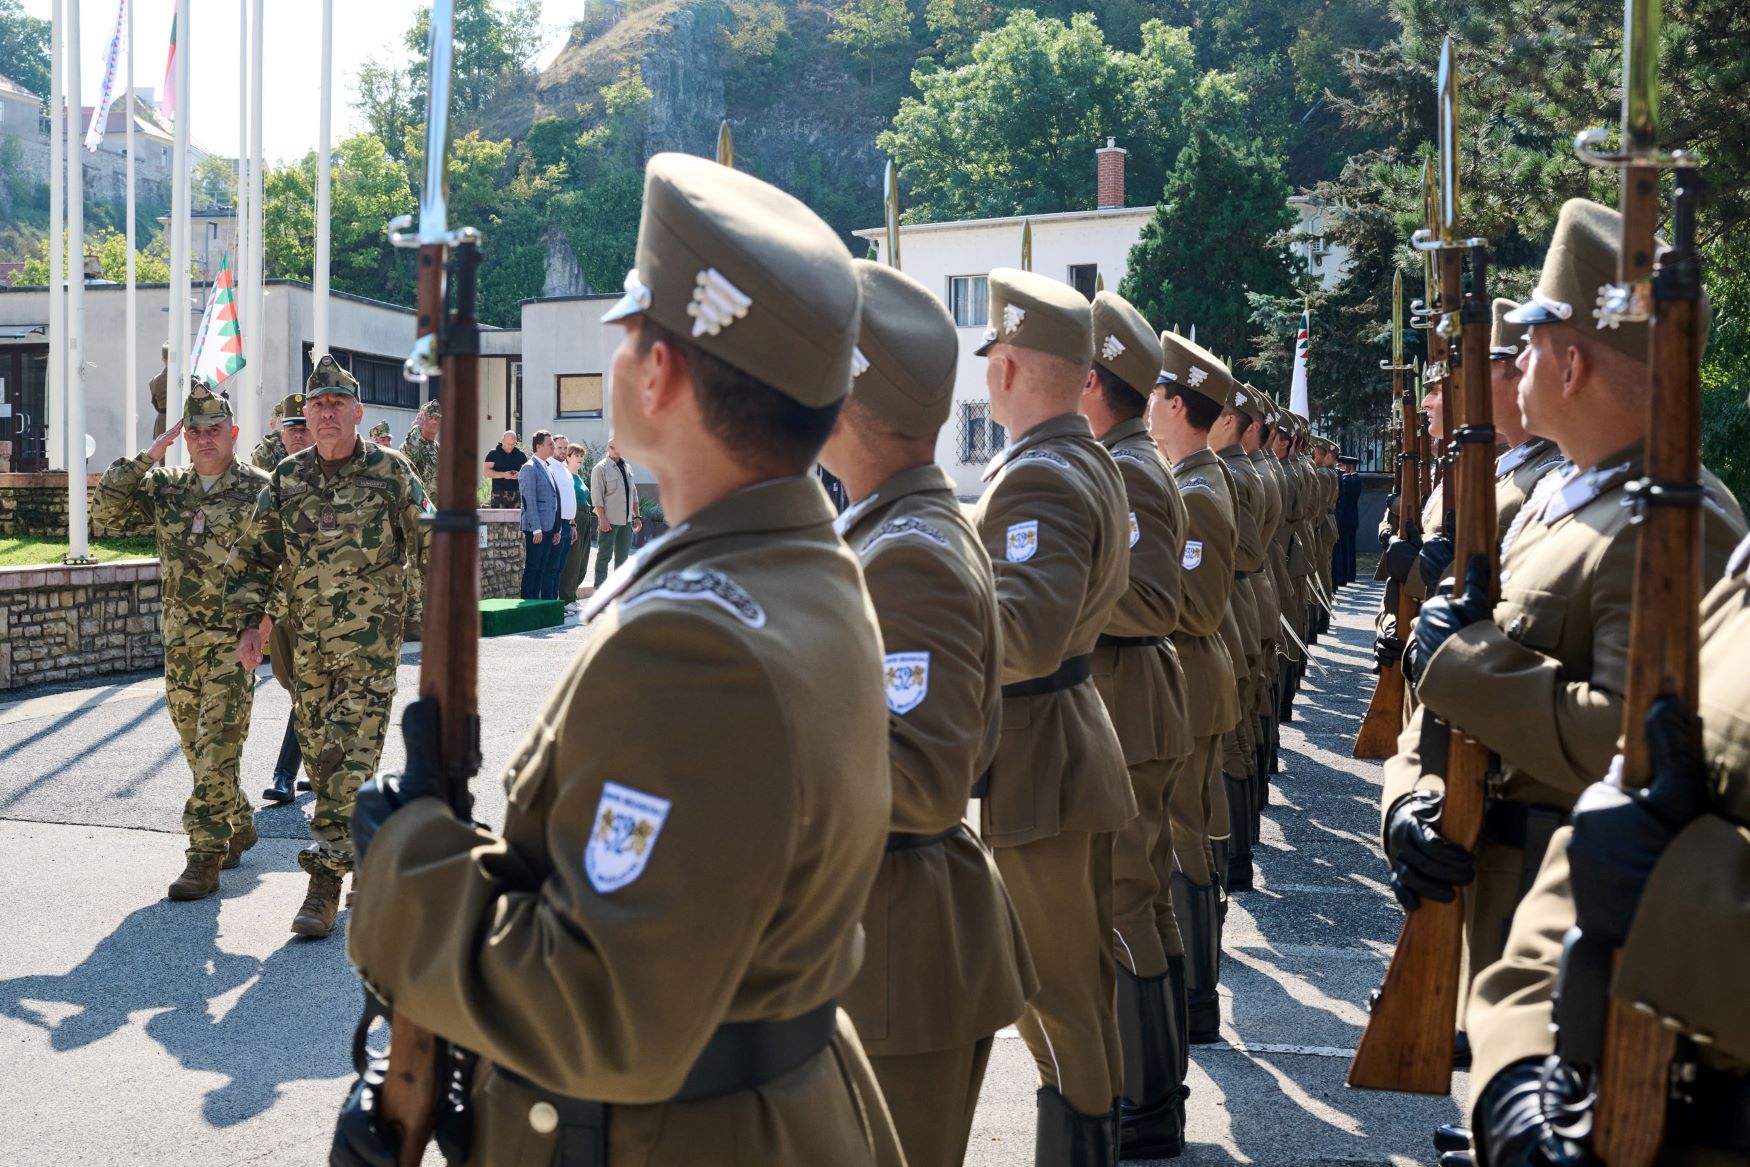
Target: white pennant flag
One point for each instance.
(100, 111)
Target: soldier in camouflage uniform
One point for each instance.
(380, 435)
(421, 445)
(296, 436)
(337, 530)
(197, 513)
(271, 450)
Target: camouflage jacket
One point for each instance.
(344, 545)
(197, 532)
(424, 456)
(269, 452)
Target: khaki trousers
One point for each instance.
(1062, 891)
(1143, 939)
(931, 1097)
(1189, 814)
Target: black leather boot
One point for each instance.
(1178, 1021)
(1195, 906)
(1449, 1136)
(1239, 844)
(285, 771)
(1262, 763)
(1461, 1057)
(1151, 1115)
(1065, 1137)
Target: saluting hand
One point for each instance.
(165, 440)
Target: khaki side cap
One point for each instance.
(1029, 310)
(1188, 364)
(1125, 344)
(912, 349)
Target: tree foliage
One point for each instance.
(24, 48)
(368, 188)
(151, 263)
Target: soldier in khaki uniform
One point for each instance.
(1053, 519)
(335, 537)
(1677, 902)
(1271, 586)
(1137, 670)
(648, 959)
(296, 436)
(197, 513)
(1238, 426)
(1192, 390)
(1540, 679)
(945, 965)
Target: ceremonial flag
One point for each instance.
(168, 106)
(1297, 398)
(100, 111)
(218, 349)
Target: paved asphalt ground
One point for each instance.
(134, 1030)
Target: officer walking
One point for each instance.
(945, 964)
(197, 513)
(296, 436)
(336, 531)
(420, 447)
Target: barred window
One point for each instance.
(980, 437)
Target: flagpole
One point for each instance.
(179, 228)
(242, 269)
(77, 524)
(55, 443)
(130, 396)
(250, 419)
(324, 130)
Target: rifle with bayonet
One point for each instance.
(1626, 1054)
(1379, 731)
(446, 346)
(1407, 1044)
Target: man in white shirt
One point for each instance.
(567, 519)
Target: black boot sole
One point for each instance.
(275, 794)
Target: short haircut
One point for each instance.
(164, 351)
(1119, 397)
(540, 437)
(1200, 411)
(774, 431)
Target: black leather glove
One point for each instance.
(1424, 865)
(387, 793)
(1400, 558)
(1445, 614)
(1620, 835)
(359, 1138)
(1388, 650)
(1385, 531)
(1433, 561)
(1525, 1114)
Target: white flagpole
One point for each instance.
(55, 443)
(130, 395)
(253, 345)
(324, 130)
(77, 529)
(242, 271)
(179, 232)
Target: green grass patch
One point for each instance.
(27, 551)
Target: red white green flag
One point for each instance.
(1297, 399)
(167, 106)
(218, 350)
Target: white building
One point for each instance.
(1321, 258)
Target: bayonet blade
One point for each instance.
(1430, 220)
(433, 207)
(890, 197)
(1397, 319)
(1027, 245)
(1448, 101)
(725, 146)
(1640, 76)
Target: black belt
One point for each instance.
(1241, 574)
(901, 841)
(1128, 641)
(1712, 1111)
(1514, 824)
(1070, 673)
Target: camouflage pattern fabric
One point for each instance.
(269, 452)
(208, 691)
(343, 546)
(424, 456)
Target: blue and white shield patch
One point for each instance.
(627, 823)
(1023, 541)
(1135, 531)
(908, 681)
(1193, 554)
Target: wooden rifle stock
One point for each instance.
(1407, 1044)
(1379, 731)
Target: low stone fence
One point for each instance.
(35, 505)
(67, 623)
(501, 553)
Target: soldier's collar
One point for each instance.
(1063, 425)
(1124, 429)
(907, 482)
(1519, 455)
(1584, 486)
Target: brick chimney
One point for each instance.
(1109, 181)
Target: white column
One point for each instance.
(240, 270)
(179, 235)
(324, 130)
(55, 427)
(130, 377)
(250, 417)
(77, 532)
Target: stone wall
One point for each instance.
(36, 505)
(501, 556)
(67, 623)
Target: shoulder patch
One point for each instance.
(1022, 542)
(1131, 455)
(1040, 454)
(1193, 557)
(627, 823)
(905, 525)
(1135, 531)
(908, 681)
(703, 583)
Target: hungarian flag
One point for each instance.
(167, 106)
(100, 111)
(218, 350)
(1297, 397)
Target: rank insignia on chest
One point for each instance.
(329, 520)
(1135, 531)
(908, 680)
(199, 525)
(1193, 554)
(1023, 541)
(627, 824)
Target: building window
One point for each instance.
(1085, 278)
(580, 395)
(379, 377)
(969, 300)
(980, 437)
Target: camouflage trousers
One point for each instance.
(209, 694)
(341, 711)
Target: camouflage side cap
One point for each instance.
(380, 430)
(1125, 344)
(747, 273)
(1188, 364)
(202, 406)
(1504, 338)
(1249, 401)
(1581, 260)
(291, 409)
(432, 408)
(909, 352)
(1029, 310)
(329, 377)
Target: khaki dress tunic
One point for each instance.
(1252, 606)
(650, 887)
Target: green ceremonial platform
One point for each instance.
(503, 617)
